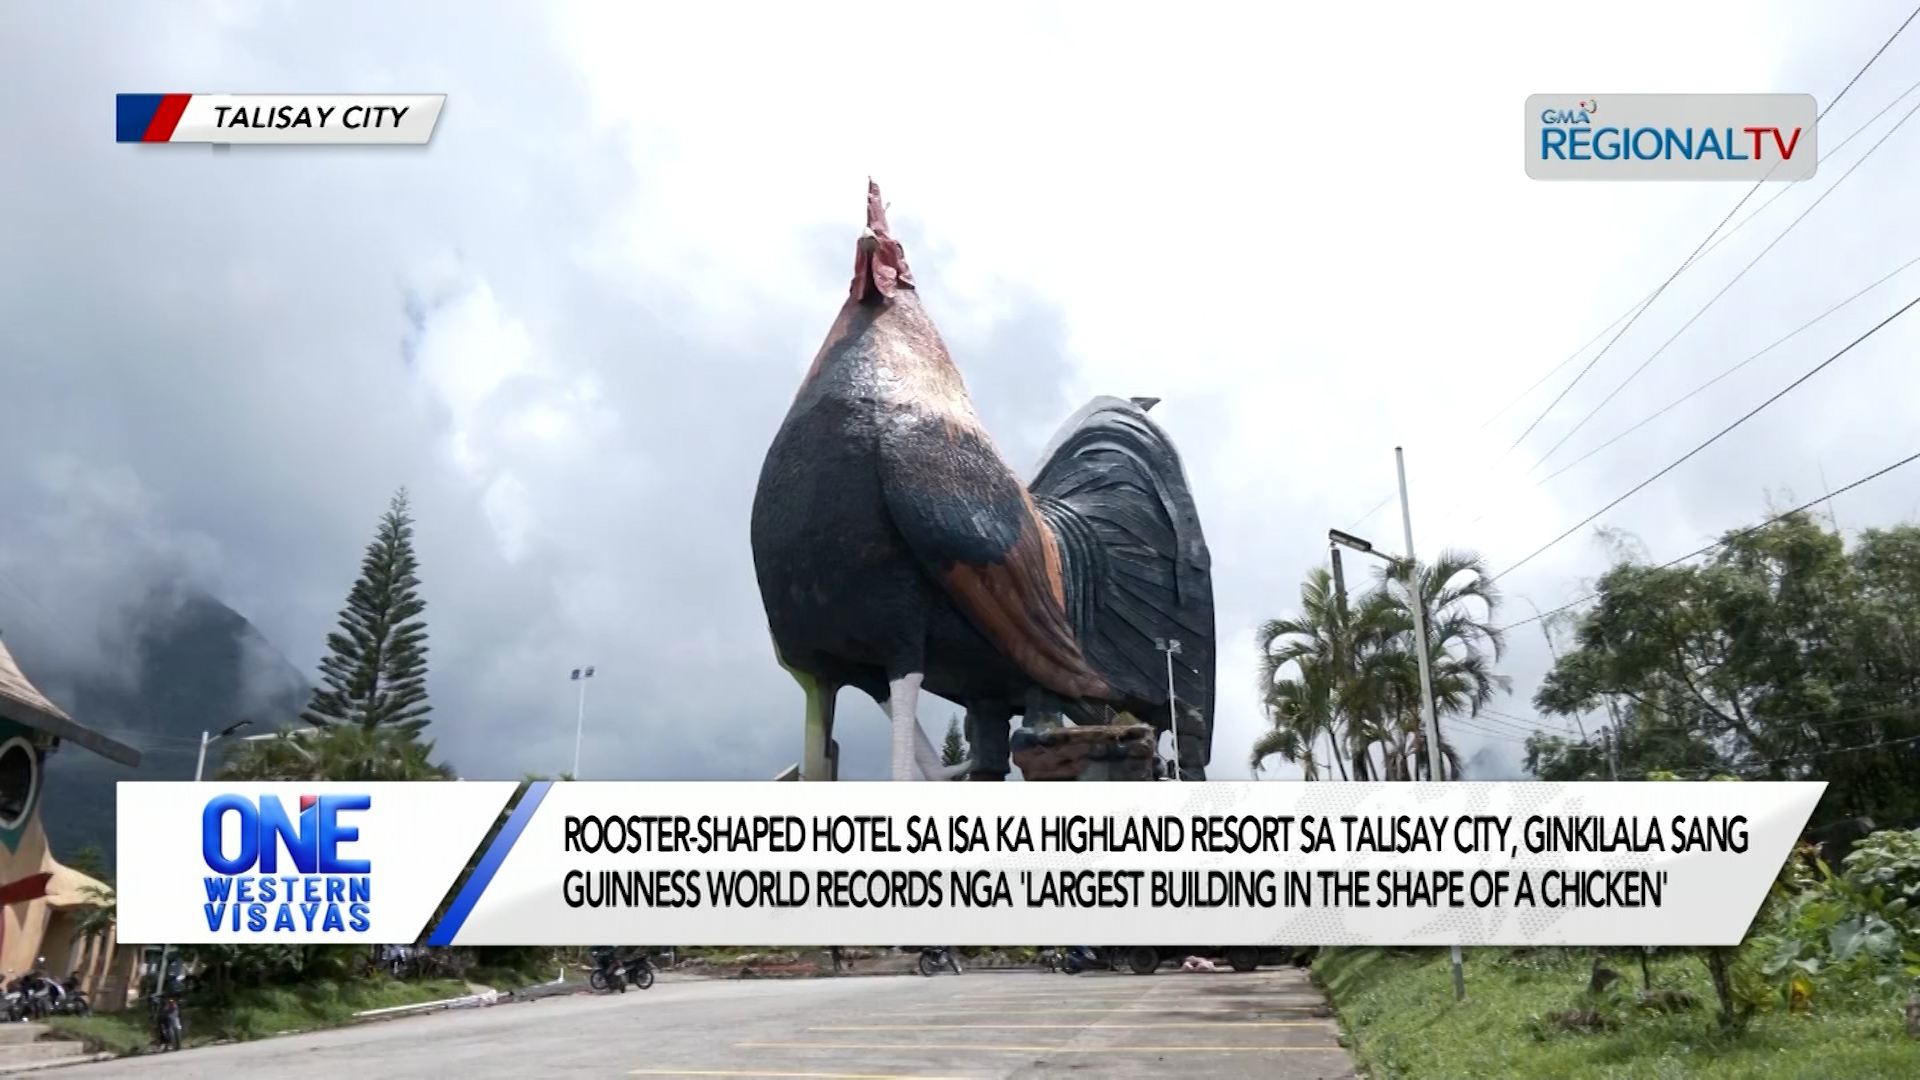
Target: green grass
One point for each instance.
(1402, 1021)
(257, 1014)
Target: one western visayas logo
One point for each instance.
(316, 888)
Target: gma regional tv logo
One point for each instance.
(1672, 137)
(276, 871)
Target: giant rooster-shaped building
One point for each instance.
(898, 553)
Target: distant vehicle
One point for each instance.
(610, 972)
(1078, 959)
(1146, 959)
(73, 1001)
(935, 957)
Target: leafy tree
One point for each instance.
(96, 919)
(1782, 656)
(376, 669)
(91, 861)
(953, 750)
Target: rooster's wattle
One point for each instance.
(897, 552)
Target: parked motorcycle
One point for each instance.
(73, 1000)
(610, 972)
(1078, 959)
(30, 997)
(638, 971)
(605, 974)
(935, 957)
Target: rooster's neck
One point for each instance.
(891, 352)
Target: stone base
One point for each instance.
(1116, 752)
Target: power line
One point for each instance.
(1462, 723)
(1575, 355)
(1753, 771)
(1864, 712)
(1565, 390)
(1716, 437)
(1709, 237)
(1459, 724)
(1742, 534)
(1870, 62)
(1828, 155)
(1633, 312)
(1735, 280)
(1689, 395)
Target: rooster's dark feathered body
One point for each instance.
(897, 552)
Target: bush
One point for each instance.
(1843, 935)
(1889, 862)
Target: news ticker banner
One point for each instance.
(283, 119)
(732, 863)
(1672, 137)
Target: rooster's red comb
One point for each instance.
(879, 262)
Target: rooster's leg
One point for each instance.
(817, 761)
(987, 741)
(903, 699)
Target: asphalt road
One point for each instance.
(1267, 1024)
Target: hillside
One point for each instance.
(196, 664)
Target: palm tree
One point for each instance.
(1457, 599)
(1348, 672)
(1310, 681)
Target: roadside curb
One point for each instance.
(57, 1063)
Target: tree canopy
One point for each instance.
(1784, 655)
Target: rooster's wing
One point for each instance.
(973, 527)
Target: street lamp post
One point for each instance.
(199, 773)
(1417, 603)
(1171, 646)
(580, 675)
(206, 740)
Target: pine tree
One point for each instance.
(953, 750)
(375, 671)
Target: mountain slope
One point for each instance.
(193, 664)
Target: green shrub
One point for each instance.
(1889, 861)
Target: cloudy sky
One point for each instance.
(572, 324)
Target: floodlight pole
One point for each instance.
(580, 675)
(1417, 601)
(1171, 646)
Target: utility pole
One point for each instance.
(1417, 600)
(1342, 657)
(580, 675)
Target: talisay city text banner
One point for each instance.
(738, 863)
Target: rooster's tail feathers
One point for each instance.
(1138, 573)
